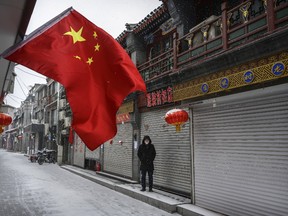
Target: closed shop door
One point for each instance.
(79, 151)
(118, 155)
(172, 163)
(241, 153)
(93, 155)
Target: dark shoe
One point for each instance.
(143, 189)
(150, 190)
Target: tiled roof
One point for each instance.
(144, 23)
(154, 15)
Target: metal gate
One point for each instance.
(241, 153)
(172, 163)
(118, 152)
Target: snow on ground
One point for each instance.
(30, 189)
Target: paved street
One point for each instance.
(28, 189)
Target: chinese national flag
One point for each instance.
(95, 70)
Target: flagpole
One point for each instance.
(36, 32)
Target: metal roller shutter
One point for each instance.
(172, 163)
(118, 157)
(95, 155)
(78, 153)
(241, 153)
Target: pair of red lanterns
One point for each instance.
(5, 120)
(176, 117)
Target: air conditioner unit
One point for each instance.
(62, 115)
(62, 103)
(67, 121)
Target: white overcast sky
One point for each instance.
(110, 15)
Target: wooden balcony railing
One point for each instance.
(238, 26)
(157, 66)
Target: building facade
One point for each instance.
(223, 62)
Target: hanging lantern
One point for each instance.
(176, 117)
(5, 120)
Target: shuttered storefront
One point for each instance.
(92, 158)
(241, 153)
(117, 156)
(172, 163)
(79, 151)
(92, 155)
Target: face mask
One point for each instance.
(146, 142)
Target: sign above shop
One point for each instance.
(122, 118)
(159, 97)
(254, 72)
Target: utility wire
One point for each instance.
(11, 95)
(31, 73)
(12, 99)
(20, 86)
(23, 83)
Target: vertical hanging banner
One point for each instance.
(95, 70)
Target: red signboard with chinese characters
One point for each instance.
(159, 97)
(121, 118)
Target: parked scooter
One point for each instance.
(47, 156)
(33, 158)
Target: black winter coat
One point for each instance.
(146, 154)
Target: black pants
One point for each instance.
(143, 178)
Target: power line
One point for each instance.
(12, 99)
(30, 73)
(11, 95)
(20, 86)
(23, 83)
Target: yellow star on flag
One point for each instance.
(89, 61)
(95, 34)
(77, 57)
(97, 47)
(75, 35)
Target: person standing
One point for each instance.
(146, 153)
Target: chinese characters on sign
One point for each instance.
(121, 118)
(159, 97)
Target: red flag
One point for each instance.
(95, 70)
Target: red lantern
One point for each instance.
(5, 120)
(176, 117)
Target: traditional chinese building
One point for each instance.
(225, 63)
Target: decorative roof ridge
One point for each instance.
(150, 17)
(144, 22)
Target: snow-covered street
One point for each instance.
(30, 189)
